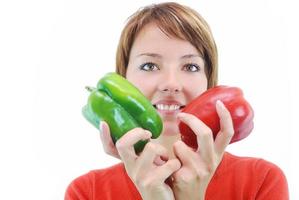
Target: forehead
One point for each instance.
(152, 39)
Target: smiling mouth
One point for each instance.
(168, 108)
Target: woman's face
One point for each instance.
(169, 71)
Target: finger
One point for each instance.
(106, 139)
(125, 145)
(166, 170)
(226, 128)
(203, 133)
(182, 152)
(149, 153)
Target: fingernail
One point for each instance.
(101, 127)
(180, 115)
(220, 103)
(149, 134)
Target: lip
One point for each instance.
(169, 102)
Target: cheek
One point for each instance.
(195, 87)
(144, 86)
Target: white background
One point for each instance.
(49, 50)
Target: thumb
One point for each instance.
(106, 139)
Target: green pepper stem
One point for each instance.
(89, 89)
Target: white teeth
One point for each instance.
(167, 107)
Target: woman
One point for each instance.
(168, 52)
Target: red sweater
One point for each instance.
(236, 178)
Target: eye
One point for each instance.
(149, 66)
(191, 67)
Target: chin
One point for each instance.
(170, 128)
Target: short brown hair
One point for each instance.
(174, 20)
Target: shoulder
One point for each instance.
(83, 186)
(260, 176)
(250, 164)
(111, 173)
(108, 183)
(101, 175)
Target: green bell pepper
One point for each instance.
(120, 104)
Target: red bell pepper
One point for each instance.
(204, 108)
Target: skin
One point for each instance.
(169, 71)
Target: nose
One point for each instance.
(170, 83)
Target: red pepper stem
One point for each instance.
(89, 89)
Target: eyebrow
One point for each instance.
(191, 56)
(155, 55)
(150, 55)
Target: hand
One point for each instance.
(106, 139)
(148, 176)
(198, 168)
